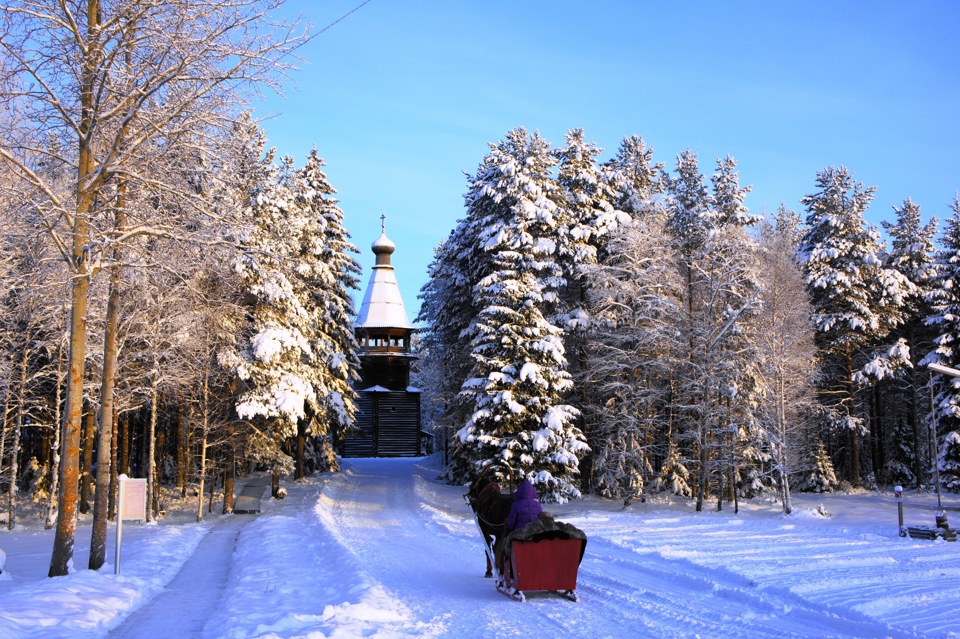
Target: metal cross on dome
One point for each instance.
(383, 223)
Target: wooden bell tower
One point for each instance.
(388, 417)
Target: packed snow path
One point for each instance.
(183, 608)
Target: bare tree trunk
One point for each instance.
(86, 166)
(98, 535)
(204, 430)
(182, 448)
(15, 445)
(70, 467)
(301, 440)
(114, 474)
(733, 484)
(213, 485)
(151, 447)
(782, 448)
(124, 461)
(720, 486)
(86, 469)
(157, 498)
(876, 435)
(230, 472)
(55, 449)
(915, 428)
(850, 401)
(6, 418)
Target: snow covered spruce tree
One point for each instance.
(585, 218)
(447, 307)
(297, 361)
(945, 301)
(332, 266)
(856, 301)
(821, 478)
(634, 178)
(905, 404)
(519, 376)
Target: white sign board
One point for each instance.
(132, 505)
(133, 498)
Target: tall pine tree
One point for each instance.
(519, 377)
(855, 298)
(911, 254)
(945, 301)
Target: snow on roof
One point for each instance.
(382, 305)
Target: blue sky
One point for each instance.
(402, 97)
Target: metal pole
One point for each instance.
(120, 497)
(898, 493)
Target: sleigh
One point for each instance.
(542, 556)
(544, 559)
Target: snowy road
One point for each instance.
(384, 550)
(700, 576)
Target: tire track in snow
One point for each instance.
(874, 575)
(687, 594)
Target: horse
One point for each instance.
(491, 508)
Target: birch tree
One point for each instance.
(633, 296)
(785, 343)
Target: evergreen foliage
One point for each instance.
(944, 297)
(822, 478)
(949, 460)
(856, 300)
(300, 356)
(519, 374)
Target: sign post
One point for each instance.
(898, 494)
(132, 505)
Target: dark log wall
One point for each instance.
(388, 424)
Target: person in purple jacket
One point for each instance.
(525, 507)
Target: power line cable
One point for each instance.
(344, 16)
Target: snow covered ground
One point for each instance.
(384, 550)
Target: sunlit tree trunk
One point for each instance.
(55, 449)
(204, 431)
(151, 446)
(231, 470)
(183, 446)
(15, 445)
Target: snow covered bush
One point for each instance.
(822, 478)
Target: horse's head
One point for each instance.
(481, 485)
